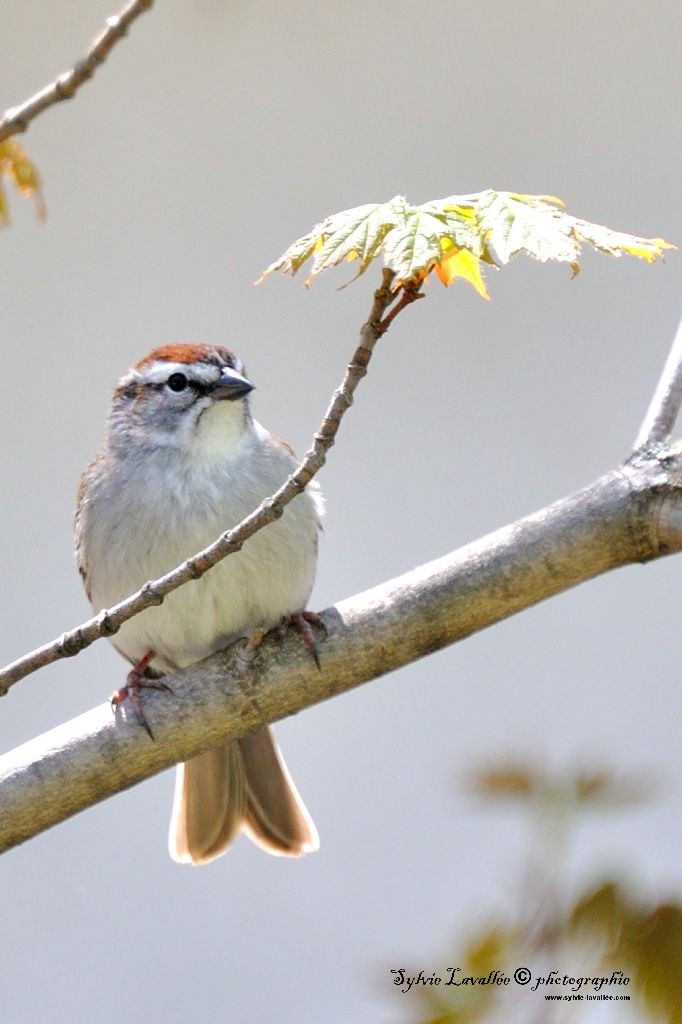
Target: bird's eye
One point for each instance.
(177, 382)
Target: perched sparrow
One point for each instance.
(182, 461)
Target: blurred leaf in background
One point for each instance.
(608, 931)
(21, 172)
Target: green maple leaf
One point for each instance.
(454, 236)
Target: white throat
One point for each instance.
(221, 431)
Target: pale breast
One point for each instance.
(160, 517)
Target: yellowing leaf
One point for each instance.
(16, 166)
(452, 236)
(461, 263)
(615, 243)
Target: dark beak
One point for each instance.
(230, 385)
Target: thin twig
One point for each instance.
(17, 119)
(109, 621)
(665, 405)
(410, 293)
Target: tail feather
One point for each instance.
(209, 805)
(276, 818)
(243, 784)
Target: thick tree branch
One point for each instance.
(632, 514)
(110, 620)
(664, 407)
(17, 119)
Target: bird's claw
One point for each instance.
(303, 623)
(135, 683)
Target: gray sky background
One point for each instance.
(215, 135)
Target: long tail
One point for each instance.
(245, 785)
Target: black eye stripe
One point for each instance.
(183, 382)
(179, 382)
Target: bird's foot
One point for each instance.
(247, 649)
(136, 682)
(303, 623)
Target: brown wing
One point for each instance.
(279, 442)
(90, 471)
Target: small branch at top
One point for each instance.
(665, 405)
(17, 119)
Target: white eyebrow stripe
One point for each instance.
(160, 371)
